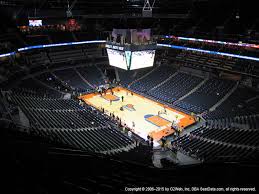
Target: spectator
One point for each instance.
(129, 133)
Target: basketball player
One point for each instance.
(122, 98)
(133, 124)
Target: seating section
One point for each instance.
(237, 104)
(58, 55)
(39, 103)
(9, 41)
(70, 77)
(176, 87)
(61, 37)
(242, 122)
(71, 124)
(38, 59)
(52, 81)
(210, 143)
(7, 68)
(205, 62)
(35, 87)
(153, 79)
(206, 96)
(92, 75)
(93, 51)
(37, 39)
(159, 85)
(127, 77)
(214, 63)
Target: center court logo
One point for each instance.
(129, 107)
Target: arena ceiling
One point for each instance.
(102, 5)
(211, 10)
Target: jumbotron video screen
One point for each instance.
(128, 60)
(142, 59)
(117, 58)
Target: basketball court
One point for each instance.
(140, 110)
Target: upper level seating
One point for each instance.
(70, 77)
(176, 87)
(210, 62)
(36, 102)
(38, 88)
(96, 139)
(2, 107)
(93, 51)
(71, 124)
(91, 74)
(58, 55)
(230, 135)
(154, 78)
(39, 58)
(61, 37)
(206, 96)
(9, 42)
(237, 104)
(7, 68)
(247, 66)
(243, 122)
(37, 39)
(211, 143)
(12, 66)
(56, 119)
(21, 91)
(82, 35)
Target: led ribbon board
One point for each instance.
(103, 41)
(7, 54)
(61, 44)
(214, 41)
(209, 52)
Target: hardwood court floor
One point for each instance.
(144, 113)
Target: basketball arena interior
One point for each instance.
(125, 96)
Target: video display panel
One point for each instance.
(117, 58)
(35, 22)
(142, 59)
